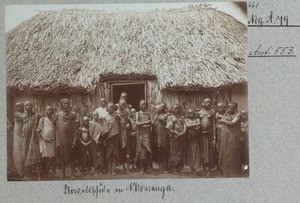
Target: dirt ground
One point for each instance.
(134, 175)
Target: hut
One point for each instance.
(176, 56)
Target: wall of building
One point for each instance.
(185, 99)
(41, 101)
(89, 102)
(240, 95)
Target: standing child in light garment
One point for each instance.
(98, 130)
(112, 148)
(46, 131)
(102, 109)
(143, 144)
(84, 140)
(193, 125)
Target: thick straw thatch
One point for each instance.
(190, 48)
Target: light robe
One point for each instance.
(18, 153)
(47, 129)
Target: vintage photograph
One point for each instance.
(126, 91)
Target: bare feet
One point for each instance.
(193, 172)
(150, 171)
(208, 175)
(62, 178)
(176, 172)
(26, 178)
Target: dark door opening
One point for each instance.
(135, 93)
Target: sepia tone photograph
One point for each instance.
(126, 91)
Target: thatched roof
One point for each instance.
(190, 48)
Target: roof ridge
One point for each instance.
(201, 6)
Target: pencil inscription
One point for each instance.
(101, 188)
(262, 50)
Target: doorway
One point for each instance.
(135, 92)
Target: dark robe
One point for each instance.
(143, 139)
(218, 129)
(207, 136)
(97, 132)
(124, 120)
(193, 158)
(84, 140)
(230, 147)
(177, 143)
(131, 142)
(31, 139)
(113, 148)
(65, 135)
(162, 139)
(245, 143)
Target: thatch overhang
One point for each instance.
(191, 48)
(243, 85)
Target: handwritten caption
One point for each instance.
(270, 19)
(102, 188)
(262, 51)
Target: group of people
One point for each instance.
(114, 135)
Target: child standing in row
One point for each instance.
(193, 125)
(66, 136)
(162, 140)
(18, 147)
(84, 140)
(143, 146)
(132, 137)
(98, 129)
(112, 148)
(177, 129)
(123, 118)
(46, 131)
(221, 110)
(206, 116)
